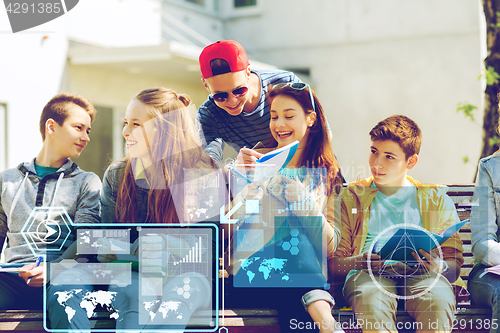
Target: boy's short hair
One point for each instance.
(224, 56)
(57, 109)
(401, 130)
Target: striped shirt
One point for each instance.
(216, 126)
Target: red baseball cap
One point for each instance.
(229, 50)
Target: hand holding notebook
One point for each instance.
(12, 268)
(272, 162)
(409, 239)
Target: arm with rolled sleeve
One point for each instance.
(332, 214)
(485, 246)
(208, 135)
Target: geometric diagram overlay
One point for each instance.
(47, 229)
(176, 267)
(401, 270)
(252, 207)
(203, 193)
(173, 247)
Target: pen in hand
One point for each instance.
(38, 261)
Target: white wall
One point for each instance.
(31, 69)
(32, 62)
(370, 59)
(116, 23)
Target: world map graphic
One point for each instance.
(166, 309)
(264, 270)
(89, 302)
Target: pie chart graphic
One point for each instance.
(26, 14)
(48, 231)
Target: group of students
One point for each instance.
(350, 219)
(336, 227)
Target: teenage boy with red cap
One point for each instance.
(237, 111)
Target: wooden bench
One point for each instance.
(266, 320)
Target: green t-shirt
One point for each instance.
(42, 171)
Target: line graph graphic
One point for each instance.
(151, 286)
(115, 248)
(250, 240)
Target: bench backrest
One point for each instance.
(462, 197)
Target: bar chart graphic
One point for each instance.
(303, 203)
(190, 255)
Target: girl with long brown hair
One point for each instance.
(148, 186)
(160, 140)
(296, 213)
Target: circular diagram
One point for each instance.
(402, 270)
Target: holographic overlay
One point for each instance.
(166, 280)
(402, 271)
(281, 243)
(47, 229)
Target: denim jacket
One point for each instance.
(110, 185)
(486, 212)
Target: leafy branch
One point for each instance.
(490, 75)
(496, 25)
(467, 109)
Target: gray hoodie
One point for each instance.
(26, 200)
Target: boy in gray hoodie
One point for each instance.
(34, 198)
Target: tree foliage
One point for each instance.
(492, 68)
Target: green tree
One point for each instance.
(492, 68)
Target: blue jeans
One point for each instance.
(485, 291)
(430, 300)
(17, 295)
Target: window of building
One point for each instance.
(198, 2)
(3, 137)
(242, 8)
(208, 7)
(244, 3)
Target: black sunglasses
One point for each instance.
(297, 86)
(224, 95)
